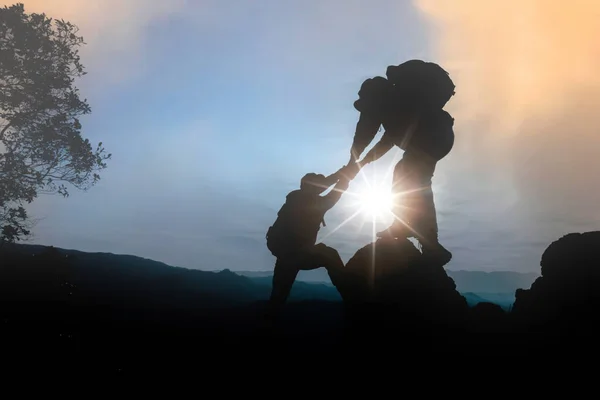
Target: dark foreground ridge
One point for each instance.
(58, 307)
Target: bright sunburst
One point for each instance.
(375, 201)
(370, 198)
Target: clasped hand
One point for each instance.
(349, 171)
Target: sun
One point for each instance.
(372, 200)
(375, 201)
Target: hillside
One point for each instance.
(103, 311)
(114, 273)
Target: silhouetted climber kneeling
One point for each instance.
(409, 104)
(293, 236)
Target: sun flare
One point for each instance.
(370, 199)
(375, 201)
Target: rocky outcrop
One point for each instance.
(389, 282)
(567, 295)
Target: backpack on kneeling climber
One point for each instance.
(297, 224)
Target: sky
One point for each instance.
(214, 109)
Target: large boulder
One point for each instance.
(389, 281)
(566, 297)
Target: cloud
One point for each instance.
(112, 29)
(527, 94)
(517, 57)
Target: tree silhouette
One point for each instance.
(41, 147)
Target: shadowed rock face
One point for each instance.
(567, 295)
(390, 278)
(571, 255)
(488, 318)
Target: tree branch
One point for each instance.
(4, 130)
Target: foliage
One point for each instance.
(41, 147)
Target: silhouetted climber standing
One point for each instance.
(409, 105)
(293, 236)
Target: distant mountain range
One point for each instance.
(97, 271)
(467, 281)
(496, 284)
(504, 300)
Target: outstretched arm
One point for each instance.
(366, 129)
(331, 199)
(337, 175)
(333, 178)
(384, 145)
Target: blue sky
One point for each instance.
(213, 111)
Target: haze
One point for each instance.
(214, 109)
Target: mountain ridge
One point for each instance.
(476, 286)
